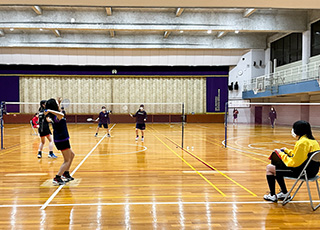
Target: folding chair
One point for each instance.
(34, 130)
(315, 156)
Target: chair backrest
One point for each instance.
(315, 156)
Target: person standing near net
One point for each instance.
(61, 141)
(292, 161)
(44, 131)
(141, 118)
(104, 120)
(235, 115)
(272, 116)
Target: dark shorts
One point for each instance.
(44, 133)
(141, 126)
(62, 145)
(105, 125)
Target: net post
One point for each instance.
(2, 112)
(182, 129)
(226, 125)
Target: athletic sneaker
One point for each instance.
(66, 177)
(273, 198)
(51, 155)
(96, 135)
(137, 138)
(58, 181)
(109, 135)
(39, 155)
(282, 195)
(142, 139)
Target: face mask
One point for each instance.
(103, 110)
(141, 108)
(293, 134)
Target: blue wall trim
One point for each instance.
(301, 87)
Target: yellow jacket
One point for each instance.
(295, 157)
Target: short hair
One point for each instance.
(103, 107)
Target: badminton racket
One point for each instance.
(65, 103)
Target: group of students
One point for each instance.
(140, 115)
(293, 160)
(50, 112)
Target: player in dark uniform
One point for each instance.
(44, 131)
(61, 141)
(272, 116)
(104, 120)
(141, 118)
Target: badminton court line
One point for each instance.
(203, 177)
(211, 167)
(154, 203)
(73, 172)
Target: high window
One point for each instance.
(287, 49)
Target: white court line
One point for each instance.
(153, 203)
(73, 172)
(109, 154)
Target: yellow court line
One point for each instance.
(267, 162)
(203, 177)
(241, 186)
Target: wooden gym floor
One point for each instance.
(123, 184)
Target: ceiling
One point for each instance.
(141, 24)
(292, 4)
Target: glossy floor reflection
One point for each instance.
(124, 184)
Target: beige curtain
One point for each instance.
(189, 90)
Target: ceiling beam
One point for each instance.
(243, 41)
(109, 11)
(221, 34)
(179, 11)
(248, 12)
(166, 34)
(37, 9)
(57, 33)
(292, 4)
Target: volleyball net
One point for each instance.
(23, 112)
(260, 114)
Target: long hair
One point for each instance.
(303, 128)
(52, 104)
(42, 105)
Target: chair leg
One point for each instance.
(286, 200)
(315, 208)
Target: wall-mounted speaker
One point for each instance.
(230, 87)
(236, 86)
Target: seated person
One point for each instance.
(35, 120)
(293, 160)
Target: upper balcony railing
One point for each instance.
(271, 82)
